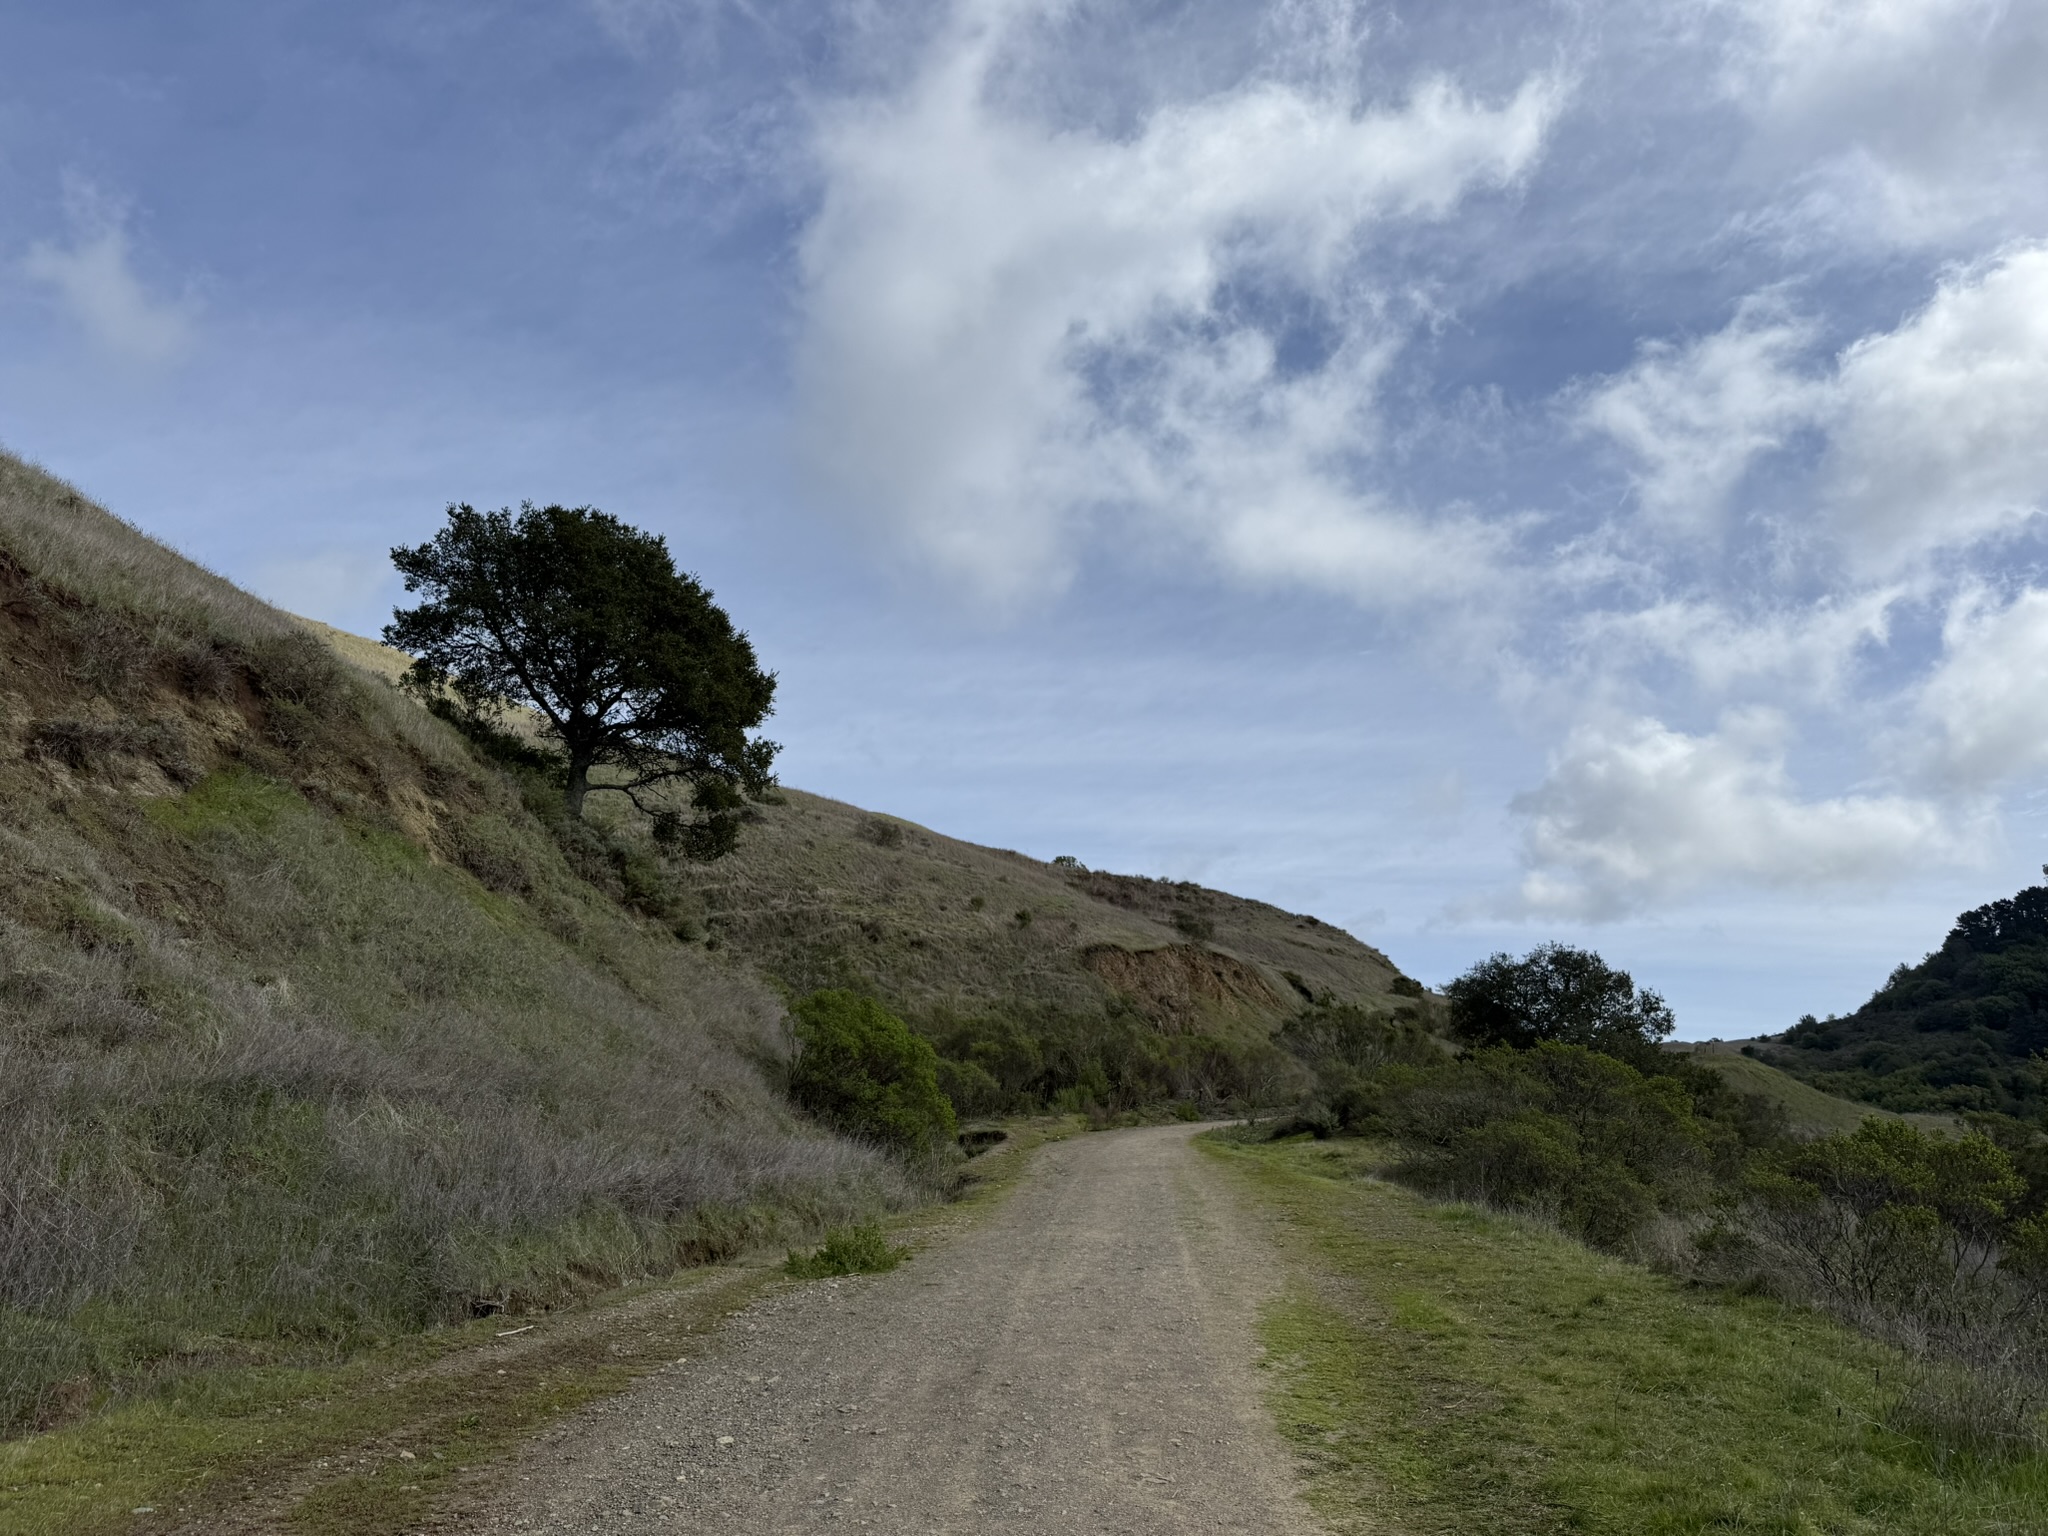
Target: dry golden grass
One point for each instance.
(822, 893)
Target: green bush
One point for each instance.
(970, 1088)
(1559, 1130)
(849, 1251)
(860, 1068)
(1114, 1060)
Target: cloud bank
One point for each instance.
(1760, 582)
(1019, 334)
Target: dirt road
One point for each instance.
(1080, 1360)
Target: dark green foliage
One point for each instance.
(1048, 1058)
(970, 1088)
(1557, 994)
(849, 1251)
(859, 1068)
(1345, 1045)
(1559, 1130)
(1961, 1031)
(572, 613)
(1889, 1173)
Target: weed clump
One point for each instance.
(849, 1251)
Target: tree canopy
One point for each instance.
(1561, 994)
(574, 614)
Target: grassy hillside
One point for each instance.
(312, 1029)
(1041, 984)
(1965, 1029)
(1808, 1111)
(823, 894)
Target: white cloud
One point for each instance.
(1900, 120)
(1986, 704)
(1695, 418)
(95, 280)
(1942, 425)
(1012, 329)
(1936, 432)
(1635, 814)
(1808, 649)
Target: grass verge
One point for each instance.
(1444, 1369)
(365, 1449)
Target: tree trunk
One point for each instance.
(579, 786)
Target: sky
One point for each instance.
(1481, 473)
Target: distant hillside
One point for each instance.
(821, 894)
(1808, 1111)
(1963, 1030)
(957, 936)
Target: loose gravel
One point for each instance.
(1082, 1359)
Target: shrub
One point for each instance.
(860, 1068)
(1560, 1130)
(849, 1251)
(1912, 1238)
(970, 1088)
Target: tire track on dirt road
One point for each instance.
(1083, 1359)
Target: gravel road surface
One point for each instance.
(1080, 1359)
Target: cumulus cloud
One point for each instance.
(1901, 120)
(1985, 706)
(1634, 813)
(1015, 327)
(1935, 432)
(94, 278)
(1695, 418)
(1941, 432)
(1805, 650)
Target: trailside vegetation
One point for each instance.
(860, 1069)
(312, 1033)
(1560, 995)
(1562, 1106)
(569, 612)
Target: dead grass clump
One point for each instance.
(88, 745)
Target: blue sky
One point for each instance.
(1480, 473)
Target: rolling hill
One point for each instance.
(1965, 1029)
(318, 1025)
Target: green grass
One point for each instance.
(1805, 1106)
(864, 1250)
(1442, 1369)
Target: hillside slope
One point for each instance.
(1063, 985)
(822, 893)
(1808, 1111)
(311, 1028)
(1963, 1030)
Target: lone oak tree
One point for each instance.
(586, 620)
(1557, 993)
